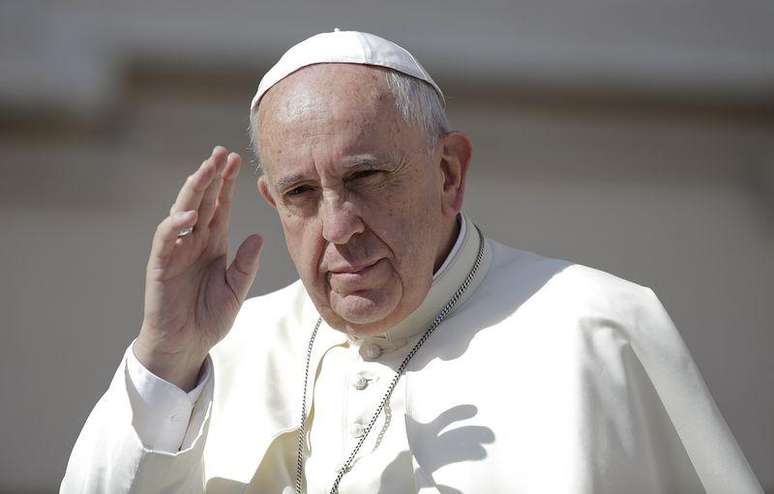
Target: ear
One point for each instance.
(264, 188)
(456, 150)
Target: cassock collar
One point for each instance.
(446, 280)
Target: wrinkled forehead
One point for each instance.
(330, 113)
(340, 101)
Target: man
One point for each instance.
(413, 355)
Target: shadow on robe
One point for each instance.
(509, 293)
(453, 445)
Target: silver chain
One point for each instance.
(386, 397)
(302, 428)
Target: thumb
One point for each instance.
(241, 273)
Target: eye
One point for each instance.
(297, 191)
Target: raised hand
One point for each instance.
(191, 295)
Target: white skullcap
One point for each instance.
(343, 47)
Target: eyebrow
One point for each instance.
(363, 163)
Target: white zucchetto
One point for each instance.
(344, 47)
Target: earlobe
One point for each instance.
(265, 190)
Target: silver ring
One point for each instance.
(185, 232)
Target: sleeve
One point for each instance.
(120, 450)
(162, 411)
(645, 420)
(702, 430)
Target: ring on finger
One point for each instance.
(185, 232)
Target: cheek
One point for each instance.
(407, 235)
(304, 244)
(418, 234)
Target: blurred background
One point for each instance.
(633, 136)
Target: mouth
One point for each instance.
(354, 278)
(352, 269)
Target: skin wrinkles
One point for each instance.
(357, 169)
(367, 213)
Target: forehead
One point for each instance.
(337, 109)
(329, 86)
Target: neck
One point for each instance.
(451, 235)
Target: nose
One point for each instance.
(340, 220)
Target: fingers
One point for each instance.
(207, 207)
(230, 172)
(166, 236)
(241, 273)
(198, 184)
(206, 193)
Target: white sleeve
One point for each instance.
(162, 411)
(118, 449)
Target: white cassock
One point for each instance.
(548, 377)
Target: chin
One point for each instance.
(363, 312)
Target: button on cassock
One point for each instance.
(357, 430)
(370, 351)
(361, 383)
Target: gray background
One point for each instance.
(632, 136)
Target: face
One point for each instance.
(367, 209)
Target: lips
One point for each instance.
(346, 269)
(349, 279)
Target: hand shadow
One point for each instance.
(504, 297)
(443, 446)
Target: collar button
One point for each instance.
(371, 351)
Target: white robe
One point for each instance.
(549, 377)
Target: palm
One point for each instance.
(191, 295)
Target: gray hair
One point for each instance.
(418, 103)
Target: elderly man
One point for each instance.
(414, 355)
